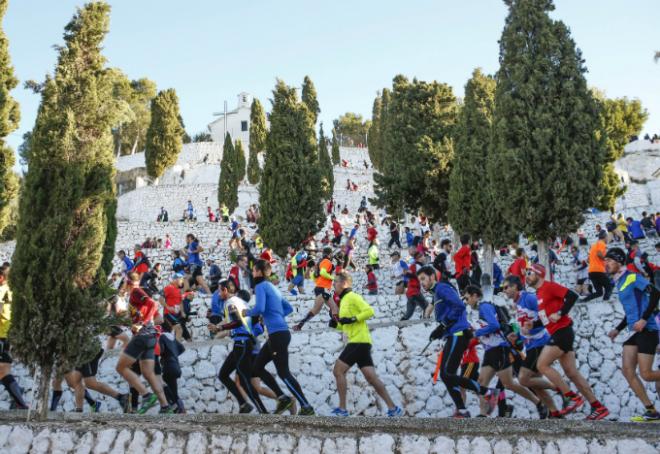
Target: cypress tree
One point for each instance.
(336, 158)
(620, 119)
(253, 169)
(309, 98)
(327, 174)
(9, 118)
(374, 132)
(547, 153)
(239, 154)
(63, 208)
(165, 133)
(417, 140)
(258, 130)
(228, 180)
(290, 194)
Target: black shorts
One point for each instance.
(5, 357)
(324, 292)
(141, 347)
(581, 281)
(90, 368)
(531, 358)
(646, 341)
(470, 371)
(563, 338)
(497, 358)
(195, 270)
(359, 354)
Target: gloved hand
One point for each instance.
(347, 320)
(332, 323)
(438, 332)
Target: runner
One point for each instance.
(193, 249)
(453, 326)
(413, 292)
(323, 280)
(8, 380)
(353, 313)
(272, 307)
(496, 351)
(534, 336)
(554, 303)
(296, 271)
(639, 299)
(140, 349)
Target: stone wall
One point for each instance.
(300, 435)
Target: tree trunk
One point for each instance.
(41, 409)
(544, 257)
(137, 137)
(489, 258)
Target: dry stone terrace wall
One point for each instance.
(302, 435)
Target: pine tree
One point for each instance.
(327, 174)
(309, 98)
(620, 119)
(164, 136)
(290, 194)
(258, 130)
(9, 119)
(336, 158)
(253, 169)
(131, 134)
(228, 180)
(63, 208)
(417, 148)
(547, 153)
(239, 154)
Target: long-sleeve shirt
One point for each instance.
(462, 260)
(353, 305)
(634, 295)
(489, 332)
(272, 306)
(449, 308)
(527, 310)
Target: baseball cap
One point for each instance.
(538, 269)
(616, 254)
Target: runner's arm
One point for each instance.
(569, 300)
(654, 296)
(488, 313)
(622, 324)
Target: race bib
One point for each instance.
(544, 318)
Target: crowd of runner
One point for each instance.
(520, 349)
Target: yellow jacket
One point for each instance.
(353, 305)
(5, 310)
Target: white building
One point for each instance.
(237, 123)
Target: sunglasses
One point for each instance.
(529, 273)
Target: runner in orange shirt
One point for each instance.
(324, 278)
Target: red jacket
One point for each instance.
(336, 227)
(463, 260)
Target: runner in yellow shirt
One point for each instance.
(8, 380)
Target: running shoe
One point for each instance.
(394, 412)
(543, 411)
(148, 401)
(492, 396)
(245, 408)
(556, 415)
(508, 413)
(306, 411)
(339, 412)
(572, 404)
(648, 416)
(283, 404)
(461, 414)
(124, 402)
(96, 408)
(166, 410)
(598, 413)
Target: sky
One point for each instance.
(211, 50)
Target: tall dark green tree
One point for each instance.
(228, 180)
(63, 208)
(417, 146)
(164, 136)
(472, 195)
(547, 152)
(309, 98)
(253, 169)
(620, 119)
(239, 153)
(327, 173)
(258, 131)
(336, 158)
(374, 132)
(290, 195)
(9, 118)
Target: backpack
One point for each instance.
(610, 226)
(504, 318)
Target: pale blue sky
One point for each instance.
(210, 50)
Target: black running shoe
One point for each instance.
(245, 408)
(283, 404)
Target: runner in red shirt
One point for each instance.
(414, 291)
(519, 266)
(462, 263)
(141, 348)
(372, 233)
(554, 303)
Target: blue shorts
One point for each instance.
(298, 280)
